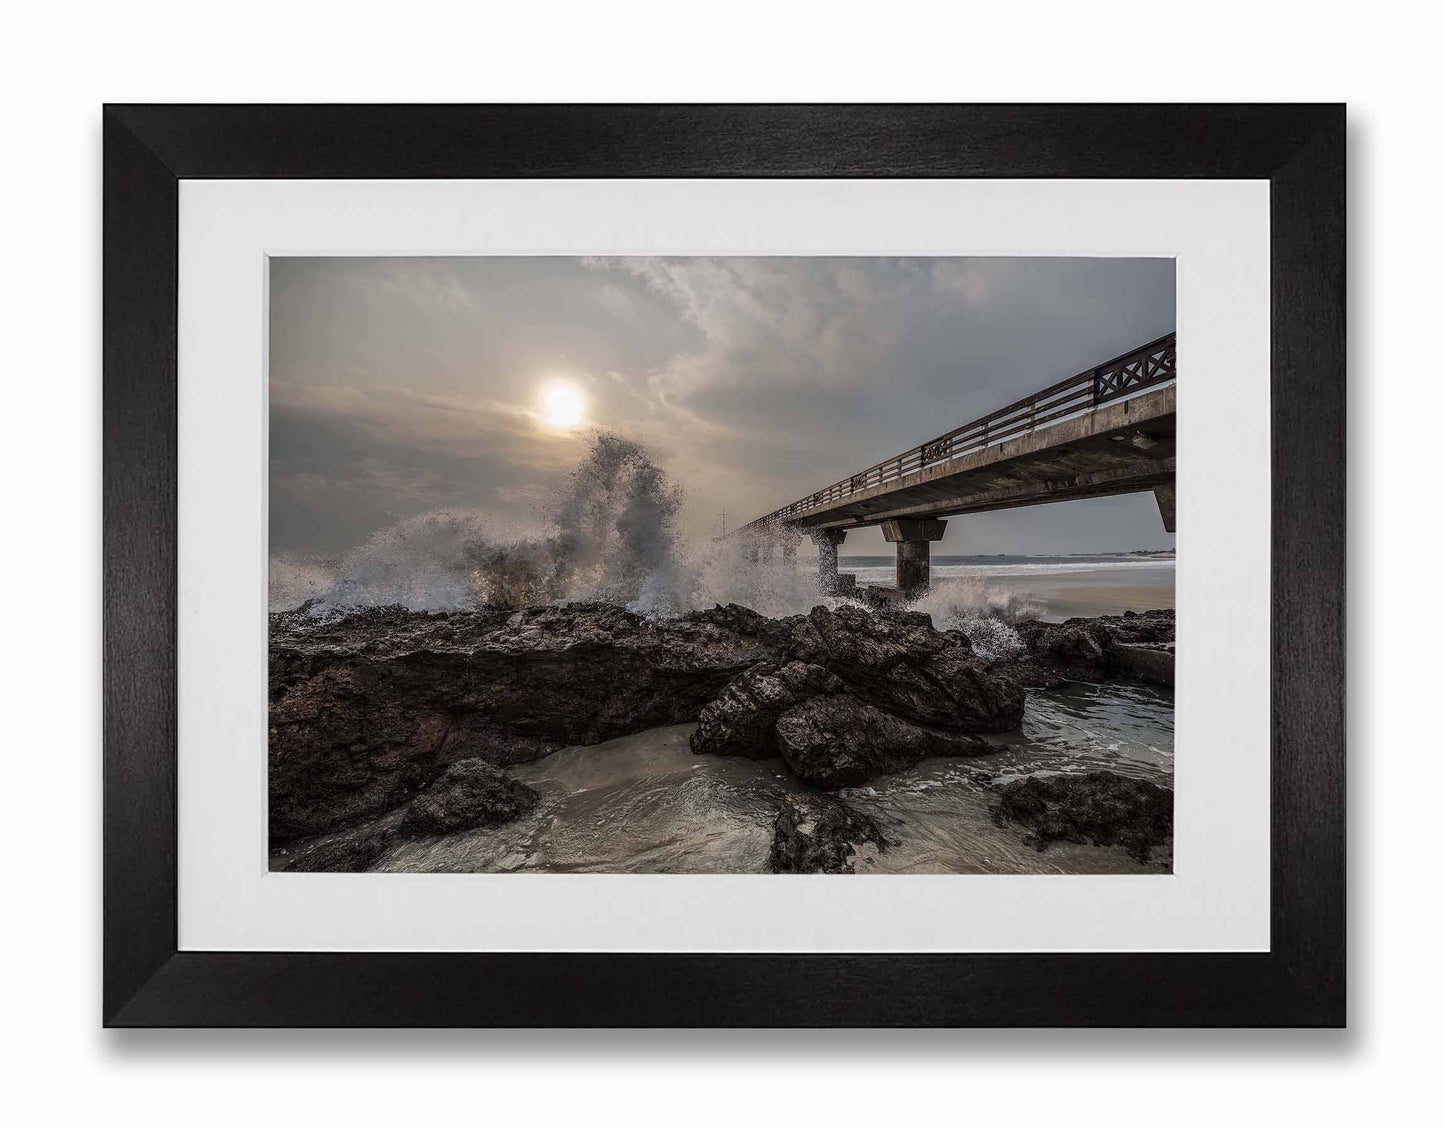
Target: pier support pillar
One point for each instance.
(1164, 494)
(912, 538)
(828, 540)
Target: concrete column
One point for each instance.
(913, 538)
(827, 540)
(1164, 494)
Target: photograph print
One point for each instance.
(765, 565)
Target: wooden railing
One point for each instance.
(1150, 364)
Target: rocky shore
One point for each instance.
(1097, 808)
(1095, 649)
(388, 725)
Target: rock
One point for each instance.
(1094, 649)
(1145, 663)
(467, 795)
(898, 662)
(338, 855)
(1073, 645)
(1098, 806)
(740, 720)
(352, 850)
(367, 708)
(838, 741)
(866, 694)
(818, 834)
(1153, 627)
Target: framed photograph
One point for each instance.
(724, 565)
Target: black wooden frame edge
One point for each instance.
(148, 982)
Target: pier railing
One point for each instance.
(1150, 364)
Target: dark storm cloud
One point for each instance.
(403, 385)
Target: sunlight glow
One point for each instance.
(563, 406)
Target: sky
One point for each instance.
(401, 386)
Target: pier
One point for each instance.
(1102, 432)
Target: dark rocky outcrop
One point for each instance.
(869, 694)
(368, 708)
(1098, 806)
(898, 662)
(1145, 663)
(353, 850)
(819, 834)
(741, 719)
(837, 741)
(467, 795)
(1094, 649)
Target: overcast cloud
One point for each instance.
(403, 385)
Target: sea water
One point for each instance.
(1048, 587)
(646, 804)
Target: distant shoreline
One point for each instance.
(1138, 554)
(1054, 588)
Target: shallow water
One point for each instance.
(646, 804)
(1052, 587)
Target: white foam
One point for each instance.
(611, 536)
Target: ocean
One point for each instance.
(1050, 587)
(645, 803)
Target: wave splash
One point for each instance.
(987, 614)
(614, 539)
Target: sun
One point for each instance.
(563, 405)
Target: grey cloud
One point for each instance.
(345, 462)
(405, 384)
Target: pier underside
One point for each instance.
(1121, 447)
(1126, 447)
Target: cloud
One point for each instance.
(810, 368)
(405, 383)
(344, 459)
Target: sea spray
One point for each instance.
(292, 578)
(424, 563)
(985, 613)
(611, 536)
(770, 581)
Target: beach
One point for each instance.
(1056, 587)
(645, 803)
(587, 738)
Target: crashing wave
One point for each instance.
(984, 612)
(612, 537)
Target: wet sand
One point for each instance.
(1087, 594)
(1056, 595)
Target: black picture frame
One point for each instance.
(1299, 149)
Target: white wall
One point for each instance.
(63, 61)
